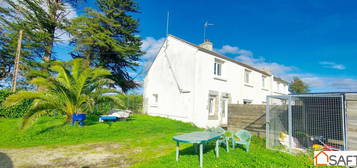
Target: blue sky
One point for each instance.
(315, 40)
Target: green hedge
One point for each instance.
(15, 111)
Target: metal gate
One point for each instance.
(296, 123)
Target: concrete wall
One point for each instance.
(248, 117)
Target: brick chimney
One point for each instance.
(207, 45)
(267, 71)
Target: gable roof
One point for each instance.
(222, 56)
(226, 58)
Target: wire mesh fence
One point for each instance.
(296, 123)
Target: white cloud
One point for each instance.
(332, 65)
(63, 36)
(317, 83)
(151, 47)
(228, 49)
(70, 11)
(275, 68)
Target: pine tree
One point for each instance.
(6, 56)
(108, 38)
(8, 42)
(40, 19)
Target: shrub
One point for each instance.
(16, 111)
(133, 102)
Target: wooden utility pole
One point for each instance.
(17, 60)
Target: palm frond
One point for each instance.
(21, 95)
(64, 75)
(99, 73)
(38, 109)
(109, 98)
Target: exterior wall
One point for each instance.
(161, 81)
(279, 88)
(232, 82)
(194, 71)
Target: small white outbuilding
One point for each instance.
(193, 83)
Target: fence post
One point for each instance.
(290, 123)
(344, 125)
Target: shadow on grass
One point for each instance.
(92, 120)
(52, 127)
(207, 147)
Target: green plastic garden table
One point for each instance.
(196, 138)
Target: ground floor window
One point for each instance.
(154, 100)
(247, 101)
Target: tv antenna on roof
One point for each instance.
(204, 29)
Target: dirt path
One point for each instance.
(91, 155)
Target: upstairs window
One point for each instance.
(278, 86)
(264, 82)
(247, 76)
(217, 68)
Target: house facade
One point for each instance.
(192, 83)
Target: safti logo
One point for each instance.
(321, 158)
(335, 158)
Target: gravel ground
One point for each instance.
(91, 155)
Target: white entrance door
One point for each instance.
(224, 112)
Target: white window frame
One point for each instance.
(217, 68)
(211, 105)
(247, 74)
(224, 107)
(264, 81)
(155, 99)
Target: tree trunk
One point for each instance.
(17, 61)
(48, 50)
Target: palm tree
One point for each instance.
(73, 88)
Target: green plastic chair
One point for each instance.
(244, 138)
(223, 139)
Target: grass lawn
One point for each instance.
(144, 141)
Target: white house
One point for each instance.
(193, 83)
